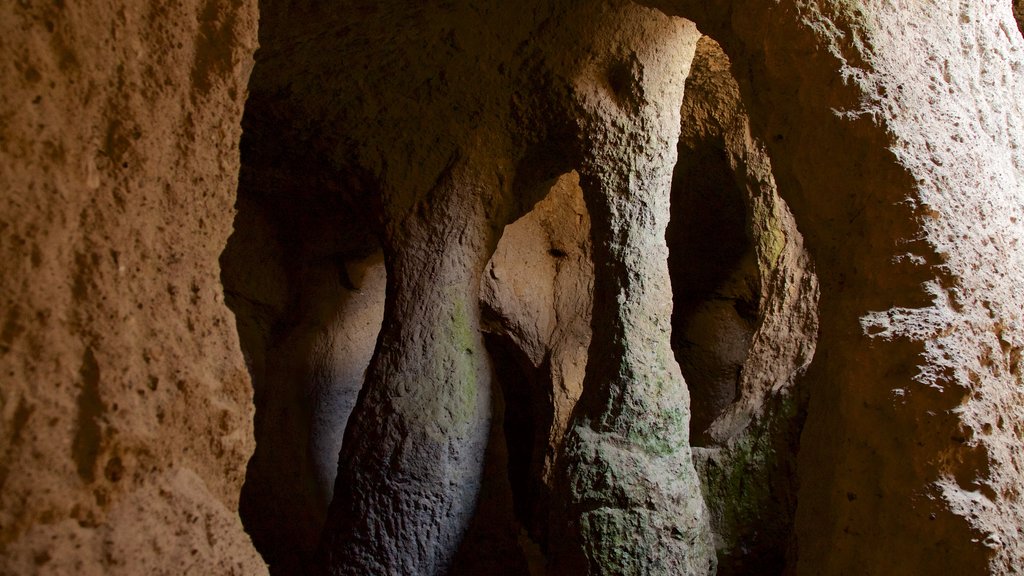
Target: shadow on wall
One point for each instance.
(309, 306)
(306, 280)
(744, 324)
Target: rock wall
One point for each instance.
(537, 296)
(125, 408)
(443, 185)
(422, 130)
(893, 132)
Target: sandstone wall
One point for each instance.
(457, 113)
(125, 408)
(537, 296)
(894, 132)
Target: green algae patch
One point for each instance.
(749, 487)
(465, 389)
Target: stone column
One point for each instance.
(633, 498)
(413, 452)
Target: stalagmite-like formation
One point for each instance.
(633, 503)
(518, 287)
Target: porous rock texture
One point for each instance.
(125, 408)
(629, 487)
(445, 184)
(894, 130)
(744, 320)
(423, 129)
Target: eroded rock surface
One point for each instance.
(446, 184)
(893, 133)
(631, 495)
(745, 320)
(305, 278)
(125, 408)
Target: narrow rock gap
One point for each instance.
(305, 277)
(744, 321)
(715, 282)
(535, 300)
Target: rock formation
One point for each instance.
(126, 407)
(518, 288)
(744, 320)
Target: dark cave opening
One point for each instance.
(715, 282)
(304, 275)
(527, 418)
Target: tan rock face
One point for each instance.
(422, 131)
(126, 409)
(447, 184)
(537, 295)
(902, 180)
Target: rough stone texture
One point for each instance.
(413, 471)
(409, 472)
(472, 109)
(632, 498)
(537, 295)
(315, 364)
(894, 131)
(125, 409)
(745, 317)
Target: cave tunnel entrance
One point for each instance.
(715, 281)
(305, 277)
(744, 324)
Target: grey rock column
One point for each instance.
(633, 498)
(411, 461)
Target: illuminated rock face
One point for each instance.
(517, 287)
(125, 407)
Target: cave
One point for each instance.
(623, 287)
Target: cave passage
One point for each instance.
(305, 276)
(517, 287)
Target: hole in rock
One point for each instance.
(535, 298)
(305, 277)
(715, 281)
(744, 323)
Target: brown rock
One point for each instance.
(126, 409)
(423, 129)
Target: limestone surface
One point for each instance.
(893, 131)
(125, 406)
